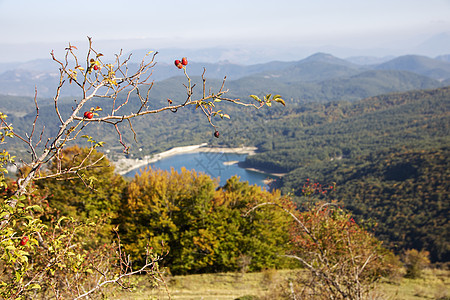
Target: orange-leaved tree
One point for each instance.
(342, 258)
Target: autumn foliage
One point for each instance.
(200, 225)
(185, 222)
(69, 226)
(343, 259)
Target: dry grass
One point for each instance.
(434, 285)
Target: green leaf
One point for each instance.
(36, 208)
(10, 248)
(23, 259)
(35, 286)
(61, 219)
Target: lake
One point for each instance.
(220, 165)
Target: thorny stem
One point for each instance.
(107, 86)
(113, 86)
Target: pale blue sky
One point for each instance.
(44, 24)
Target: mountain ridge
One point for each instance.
(311, 79)
(436, 69)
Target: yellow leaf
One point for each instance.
(279, 100)
(255, 97)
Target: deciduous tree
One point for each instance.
(342, 258)
(200, 224)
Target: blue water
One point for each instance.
(210, 163)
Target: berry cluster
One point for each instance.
(88, 115)
(180, 64)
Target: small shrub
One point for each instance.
(415, 261)
(269, 276)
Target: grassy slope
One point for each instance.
(434, 285)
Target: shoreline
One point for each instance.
(125, 165)
(264, 172)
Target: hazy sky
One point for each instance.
(30, 28)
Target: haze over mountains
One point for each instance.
(247, 53)
(309, 79)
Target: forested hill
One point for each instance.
(314, 134)
(388, 155)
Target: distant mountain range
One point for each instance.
(433, 68)
(319, 77)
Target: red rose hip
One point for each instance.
(24, 241)
(88, 115)
(184, 61)
(216, 134)
(178, 64)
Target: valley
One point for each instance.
(379, 120)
